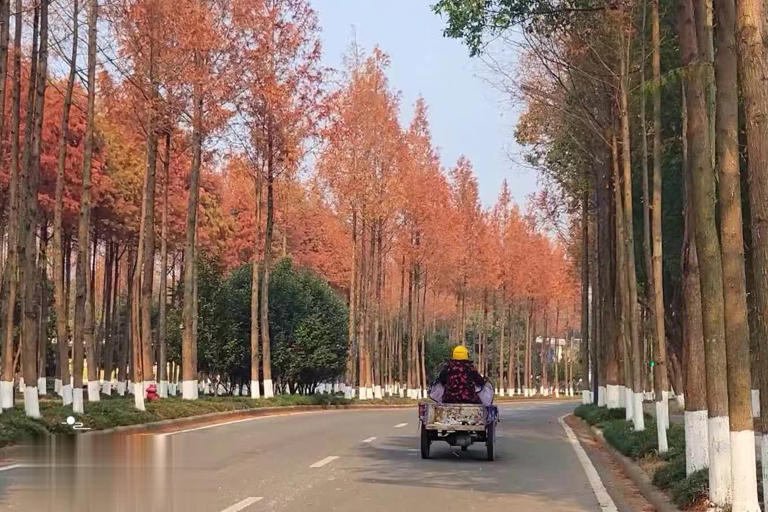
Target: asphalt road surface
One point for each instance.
(322, 461)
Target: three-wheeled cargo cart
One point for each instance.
(458, 425)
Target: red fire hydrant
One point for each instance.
(152, 393)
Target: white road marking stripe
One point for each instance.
(12, 466)
(240, 505)
(324, 461)
(400, 425)
(213, 425)
(603, 498)
(369, 440)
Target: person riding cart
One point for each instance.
(460, 379)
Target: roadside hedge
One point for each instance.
(686, 491)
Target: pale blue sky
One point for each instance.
(467, 115)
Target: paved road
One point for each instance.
(329, 461)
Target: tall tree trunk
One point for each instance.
(28, 270)
(113, 275)
(353, 287)
(586, 343)
(189, 312)
(742, 435)
(617, 396)
(42, 316)
(753, 68)
(264, 299)
(607, 282)
(660, 375)
(632, 312)
(60, 302)
(162, 370)
(255, 272)
(594, 346)
(147, 254)
(10, 269)
(696, 445)
(5, 22)
(694, 57)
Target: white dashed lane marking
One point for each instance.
(243, 504)
(400, 425)
(369, 440)
(324, 461)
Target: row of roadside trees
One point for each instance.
(650, 121)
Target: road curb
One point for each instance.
(650, 492)
(239, 413)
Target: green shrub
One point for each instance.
(675, 442)
(622, 436)
(595, 415)
(16, 427)
(111, 412)
(670, 474)
(691, 490)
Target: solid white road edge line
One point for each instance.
(603, 498)
(369, 440)
(240, 505)
(401, 425)
(234, 421)
(324, 461)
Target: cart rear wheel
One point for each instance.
(425, 442)
(490, 441)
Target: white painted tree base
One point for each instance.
(628, 404)
(680, 399)
(138, 396)
(121, 387)
(377, 393)
(57, 386)
(66, 394)
(661, 431)
(601, 396)
(585, 399)
(510, 392)
(637, 411)
(106, 388)
(42, 384)
(189, 389)
(719, 439)
(696, 443)
(612, 396)
(31, 402)
(269, 391)
(743, 467)
(22, 385)
(622, 397)
(755, 403)
(93, 391)
(77, 400)
(665, 408)
(6, 394)
(255, 392)
(162, 391)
